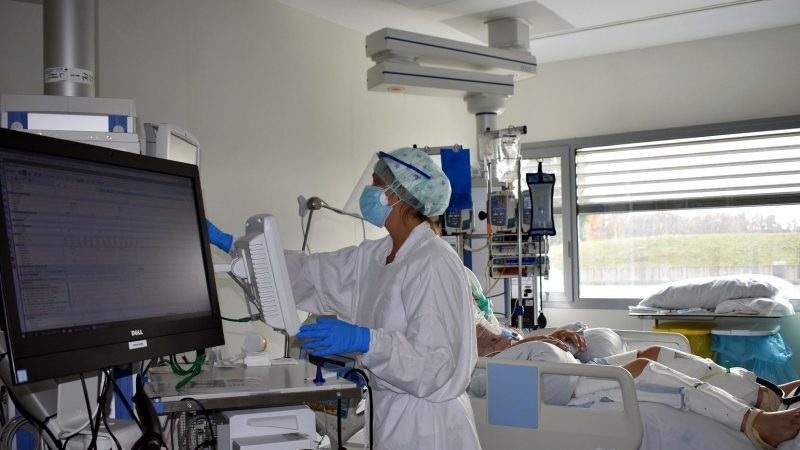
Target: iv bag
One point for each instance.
(485, 147)
(540, 188)
(507, 151)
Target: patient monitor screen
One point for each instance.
(95, 244)
(181, 150)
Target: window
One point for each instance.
(656, 212)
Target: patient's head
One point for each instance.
(600, 343)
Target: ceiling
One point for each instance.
(563, 29)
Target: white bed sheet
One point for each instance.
(667, 428)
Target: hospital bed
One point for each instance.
(499, 422)
(643, 426)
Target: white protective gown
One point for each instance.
(423, 346)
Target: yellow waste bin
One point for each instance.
(698, 334)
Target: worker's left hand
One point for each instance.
(218, 237)
(334, 337)
(566, 335)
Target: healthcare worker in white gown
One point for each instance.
(404, 302)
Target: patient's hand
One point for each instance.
(566, 335)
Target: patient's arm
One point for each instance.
(566, 335)
(547, 339)
(490, 344)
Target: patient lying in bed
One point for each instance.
(661, 375)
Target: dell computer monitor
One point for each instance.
(104, 258)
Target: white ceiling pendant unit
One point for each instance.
(418, 64)
(484, 77)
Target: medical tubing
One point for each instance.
(503, 271)
(243, 319)
(364, 376)
(192, 372)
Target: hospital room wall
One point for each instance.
(745, 76)
(276, 97)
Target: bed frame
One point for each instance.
(560, 426)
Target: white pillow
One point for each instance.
(601, 343)
(707, 293)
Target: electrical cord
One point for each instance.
(126, 401)
(189, 424)
(101, 401)
(364, 376)
(324, 433)
(30, 416)
(18, 423)
(202, 445)
(110, 433)
(3, 405)
(89, 412)
(172, 431)
(194, 419)
(146, 368)
(103, 411)
(339, 424)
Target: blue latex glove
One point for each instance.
(334, 337)
(218, 237)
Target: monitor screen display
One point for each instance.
(101, 257)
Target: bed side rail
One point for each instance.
(673, 340)
(561, 426)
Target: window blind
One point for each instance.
(736, 170)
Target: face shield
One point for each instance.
(409, 173)
(353, 203)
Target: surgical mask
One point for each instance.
(375, 206)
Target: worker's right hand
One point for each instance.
(333, 336)
(218, 237)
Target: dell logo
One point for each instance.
(136, 333)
